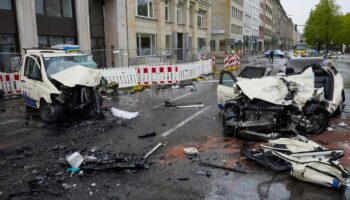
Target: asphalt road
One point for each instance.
(170, 174)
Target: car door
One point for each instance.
(30, 75)
(225, 89)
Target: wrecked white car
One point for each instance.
(265, 107)
(56, 82)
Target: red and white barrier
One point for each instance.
(157, 74)
(232, 61)
(10, 83)
(226, 61)
(125, 77)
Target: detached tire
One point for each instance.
(50, 113)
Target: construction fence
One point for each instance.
(129, 57)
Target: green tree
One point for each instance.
(324, 22)
(343, 34)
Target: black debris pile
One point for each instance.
(20, 153)
(97, 126)
(114, 161)
(147, 135)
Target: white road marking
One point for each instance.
(9, 121)
(174, 99)
(251, 63)
(210, 81)
(177, 126)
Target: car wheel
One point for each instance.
(50, 113)
(281, 56)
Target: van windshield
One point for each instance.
(300, 47)
(54, 65)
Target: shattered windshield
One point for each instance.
(54, 65)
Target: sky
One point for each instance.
(299, 10)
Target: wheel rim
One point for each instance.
(48, 112)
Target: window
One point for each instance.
(54, 8)
(179, 14)
(167, 11)
(212, 45)
(67, 8)
(200, 19)
(5, 5)
(168, 44)
(144, 8)
(31, 69)
(145, 44)
(226, 80)
(48, 41)
(201, 43)
(7, 49)
(39, 7)
(222, 45)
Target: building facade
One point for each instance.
(115, 32)
(261, 26)
(227, 25)
(176, 29)
(255, 24)
(268, 24)
(247, 20)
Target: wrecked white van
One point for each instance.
(57, 82)
(300, 103)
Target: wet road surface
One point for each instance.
(43, 145)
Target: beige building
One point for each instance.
(115, 32)
(170, 29)
(226, 25)
(268, 24)
(282, 31)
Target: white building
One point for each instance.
(247, 20)
(255, 24)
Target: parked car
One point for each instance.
(57, 82)
(262, 108)
(277, 53)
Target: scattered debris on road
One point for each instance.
(202, 173)
(342, 124)
(191, 151)
(307, 160)
(123, 114)
(75, 159)
(148, 154)
(147, 135)
(206, 164)
(183, 105)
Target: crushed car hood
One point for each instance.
(276, 89)
(78, 75)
